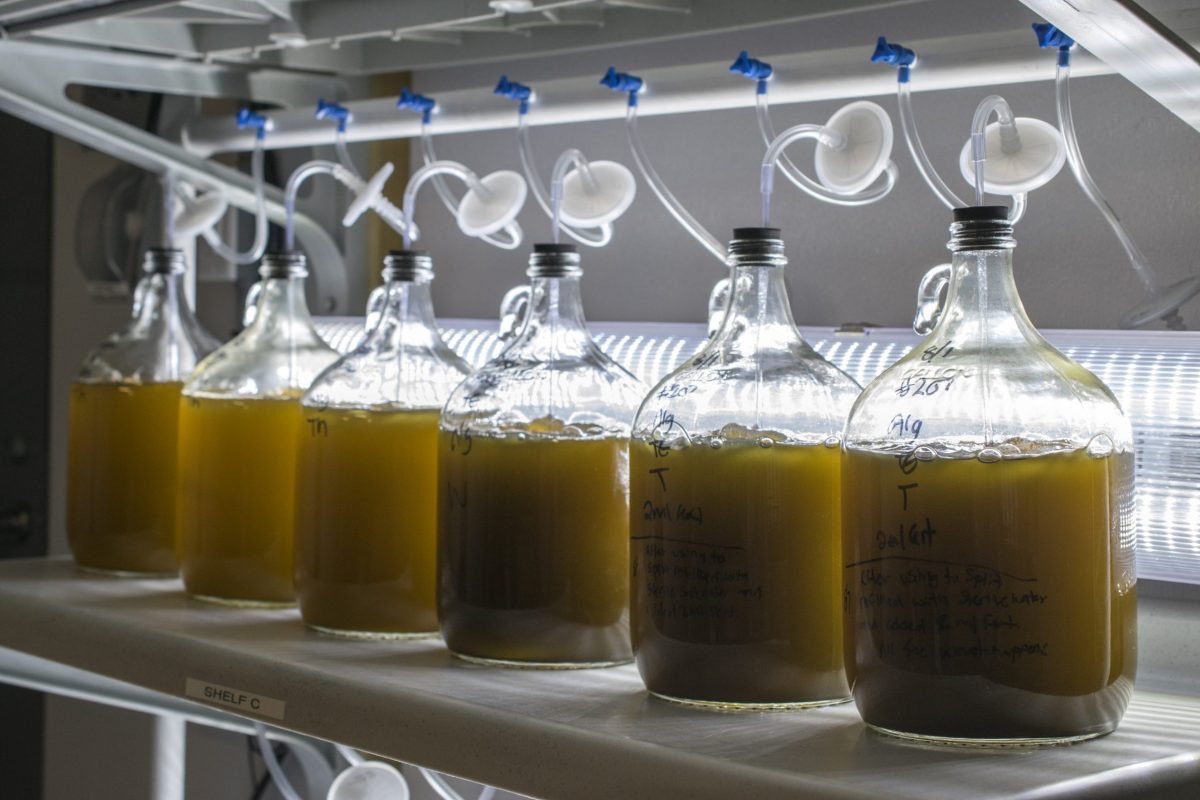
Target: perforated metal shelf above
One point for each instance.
(572, 734)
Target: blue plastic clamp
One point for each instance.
(248, 118)
(895, 54)
(752, 68)
(514, 91)
(417, 102)
(1050, 36)
(623, 82)
(334, 111)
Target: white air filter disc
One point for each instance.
(367, 196)
(868, 132)
(1041, 156)
(486, 212)
(200, 214)
(1166, 301)
(609, 196)
(370, 780)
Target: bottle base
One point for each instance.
(127, 573)
(542, 665)
(342, 633)
(734, 706)
(990, 744)
(241, 602)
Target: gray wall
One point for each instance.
(847, 264)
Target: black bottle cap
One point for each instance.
(550, 247)
(757, 233)
(408, 253)
(283, 264)
(981, 214)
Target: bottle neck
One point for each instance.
(159, 296)
(282, 302)
(555, 314)
(758, 305)
(982, 304)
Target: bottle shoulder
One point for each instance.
(1018, 396)
(385, 376)
(790, 392)
(158, 350)
(529, 388)
(276, 361)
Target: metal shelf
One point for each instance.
(578, 734)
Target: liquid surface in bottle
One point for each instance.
(990, 600)
(533, 550)
(237, 474)
(121, 476)
(366, 521)
(736, 572)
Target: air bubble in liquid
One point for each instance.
(832, 442)
(989, 455)
(766, 441)
(1101, 446)
(924, 454)
(716, 443)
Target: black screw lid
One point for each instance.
(981, 214)
(553, 247)
(757, 233)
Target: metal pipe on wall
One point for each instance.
(948, 63)
(32, 87)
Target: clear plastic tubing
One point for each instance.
(913, 138)
(808, 131)
(286, 790)
(794, 173)
(260, 218)
(1066, 123)
(168, 209)
(343, 152)
(672, 204)
(920, 157)
(380, 205)
(571, 157)
(1010, 140)
(428, 156)
(431, 171)
(601, 235)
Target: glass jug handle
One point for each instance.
(374, 307)
(250, 308)
(718, 302)
(931, 298)
(513, 309)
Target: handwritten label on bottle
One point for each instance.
(688, 579)
(919, 607)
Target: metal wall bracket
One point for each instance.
(1135, 43)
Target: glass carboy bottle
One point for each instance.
(239, 424)
(533, 528)
(988, 525)
(735, 507)
(366, 495)
(124, 415)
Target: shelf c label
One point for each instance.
(236, 699)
